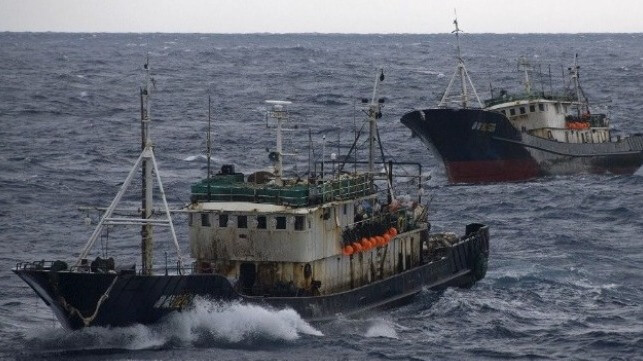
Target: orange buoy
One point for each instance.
(380, 240)
(392, 231)
(366, 245)
(387, 237)
(373, 241)
(357, 247)
(348, 250)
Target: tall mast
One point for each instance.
(280, 114)
(581, 99)
(575, 78)
(209, 145)
(461, 69)
(374, 112)
(147, 180)
(523, 64)
(461, 72)
(149, 167)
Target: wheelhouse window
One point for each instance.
(223, 220)
(205, 220)
(261, 222)
(281, 222)
(242, 221)
(532, 108)
(300, 222)
(522, 110)
(541, 107)
(512, 111)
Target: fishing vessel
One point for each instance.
(334, 243)
(515, 137)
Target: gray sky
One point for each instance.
(327, 16)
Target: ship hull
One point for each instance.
(119, 299)
(478, 146)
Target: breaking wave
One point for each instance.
(382, 328)
(207, 324)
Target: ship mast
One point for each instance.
(209, 147)
(374, 112)
(463, 74)
(581, 99)
(147, 240)
(280, 114)
(149, 172)
(461, 67)
(580, 96)
(523, 64)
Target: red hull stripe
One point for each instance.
(484, 171)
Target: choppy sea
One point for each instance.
(565, 277)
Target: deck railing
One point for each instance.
(296, 195)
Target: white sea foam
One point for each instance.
(192, 158)
(236, 322)
(207, 322)
(382, 328)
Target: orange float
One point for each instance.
(357, 247)
(373, 241)
(366, 245)
(392, 232)
(387, 237)
(348, 250)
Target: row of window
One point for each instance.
(523, 110)
(260, 222)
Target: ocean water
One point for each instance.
(565, 277)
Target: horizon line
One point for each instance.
(309, 33)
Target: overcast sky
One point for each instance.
(322, 16)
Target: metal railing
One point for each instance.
(296, 195)
(45, 265)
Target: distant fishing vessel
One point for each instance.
(330, 244)
(514, 137)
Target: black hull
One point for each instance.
(97, 299)
(478, 146)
